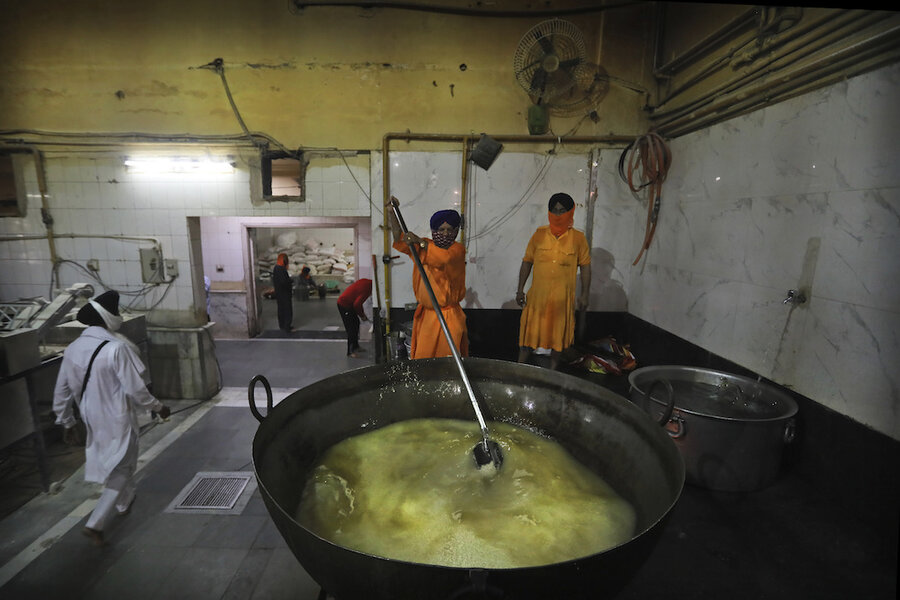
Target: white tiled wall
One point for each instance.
(96, 199)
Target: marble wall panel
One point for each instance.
(846, 358)
(866, 121)
(228, 311)
(860, 259)
(807, 199)
(782, 232)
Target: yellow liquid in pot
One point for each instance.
(411, 492)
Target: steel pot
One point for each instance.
(730, 429)
(603, 430)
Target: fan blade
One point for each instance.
(538, 80)
(572, 62)
(546, 43)
(562, 81)
(528, 67)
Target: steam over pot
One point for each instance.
(601, 429)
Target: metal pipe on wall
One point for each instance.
(465, 139)
(841, 64)
(695, 52)
(799, 45)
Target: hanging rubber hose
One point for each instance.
(648, 158)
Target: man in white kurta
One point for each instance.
(116, 390)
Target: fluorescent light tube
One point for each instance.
(159, 165)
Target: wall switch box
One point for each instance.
(171, 268)
(93, 264)
(151, 265)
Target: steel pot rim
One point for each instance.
(789, 404)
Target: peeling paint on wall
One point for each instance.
(284, 65)
(136, 111)
(156, 88)
(370, 66)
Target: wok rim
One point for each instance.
(653, 525)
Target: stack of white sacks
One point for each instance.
(321, 259)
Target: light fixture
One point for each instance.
(171, 164)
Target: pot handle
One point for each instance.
(250, 394)
(679, 430)
(670, 404)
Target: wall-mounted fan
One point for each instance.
(546, 64)
(547, 58)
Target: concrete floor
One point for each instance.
(787, 541)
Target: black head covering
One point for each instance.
(89, 315)
(564, 199)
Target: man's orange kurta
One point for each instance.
(446, 271)
(548, 319)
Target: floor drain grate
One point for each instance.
(215, 493)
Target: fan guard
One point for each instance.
(547, 57)
(591, 87)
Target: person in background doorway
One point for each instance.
(350, 306)
(283, 286)
(444, 260)
(556, 252)
(305, 283)
(102, 373)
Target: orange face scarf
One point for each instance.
(559, 224)
(282, 260)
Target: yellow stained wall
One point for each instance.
(323, 77)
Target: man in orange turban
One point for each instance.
(444, 260)
(556, 252)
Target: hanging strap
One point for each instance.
(87, 374)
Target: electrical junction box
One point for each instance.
(152, 268)
(171, 267)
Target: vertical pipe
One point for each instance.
(463, 192)
(591, 196)
(386, 258)
(46, 217)
(45, 207)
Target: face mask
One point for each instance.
(443, 240)
(559, 224)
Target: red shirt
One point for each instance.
(355, 296)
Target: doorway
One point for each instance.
(329, 252)
(232, 248)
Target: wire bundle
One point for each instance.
(648, 159)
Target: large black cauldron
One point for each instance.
(603, 430)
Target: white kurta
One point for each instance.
(115, 392)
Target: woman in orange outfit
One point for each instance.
(556, 251)
(444, 260)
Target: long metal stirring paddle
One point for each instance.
(488, 451)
